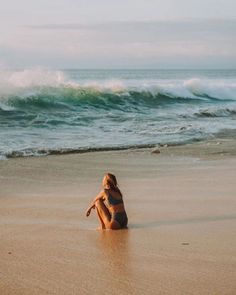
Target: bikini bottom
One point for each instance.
(121, 218)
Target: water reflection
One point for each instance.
(200, 219)
(114, 247)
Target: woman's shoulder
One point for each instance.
(104, 193)
(101, 194)
(112, 194)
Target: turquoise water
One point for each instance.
(46, 112)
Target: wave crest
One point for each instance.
(52, 86)
(211, 89)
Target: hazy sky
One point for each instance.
(118, 33)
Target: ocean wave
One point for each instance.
(212, 89)
(216, 112)
(47, 89)
(46, 112)
(64, 97)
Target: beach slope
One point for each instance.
(181, 239)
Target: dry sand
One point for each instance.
(181, 239)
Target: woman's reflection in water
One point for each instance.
(115, 249)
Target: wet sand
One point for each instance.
(181, 239)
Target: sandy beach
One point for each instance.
(181, 239)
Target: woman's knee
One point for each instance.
(98, 203)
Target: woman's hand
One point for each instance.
(89, 210)
(100, 196)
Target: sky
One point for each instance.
(118, 34)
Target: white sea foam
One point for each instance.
(22, 81)
(6, 107)
(221, 89)
(25, 81)
(32, 77)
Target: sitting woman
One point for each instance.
(109, 205)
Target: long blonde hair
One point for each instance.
(112, 182)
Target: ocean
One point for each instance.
(46, 112)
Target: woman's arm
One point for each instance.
(100, 196)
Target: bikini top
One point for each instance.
(112, 201)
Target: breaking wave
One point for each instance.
(47, 89)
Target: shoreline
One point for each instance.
(226, 146)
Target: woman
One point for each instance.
(109, 205)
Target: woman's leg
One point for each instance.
(103, 213)
(104, 216)
(100, 219)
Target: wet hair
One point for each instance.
(112, 182)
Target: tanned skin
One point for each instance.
(103, 211)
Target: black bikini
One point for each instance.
(112, 201)
(120, 217)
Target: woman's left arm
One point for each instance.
(100, 196)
